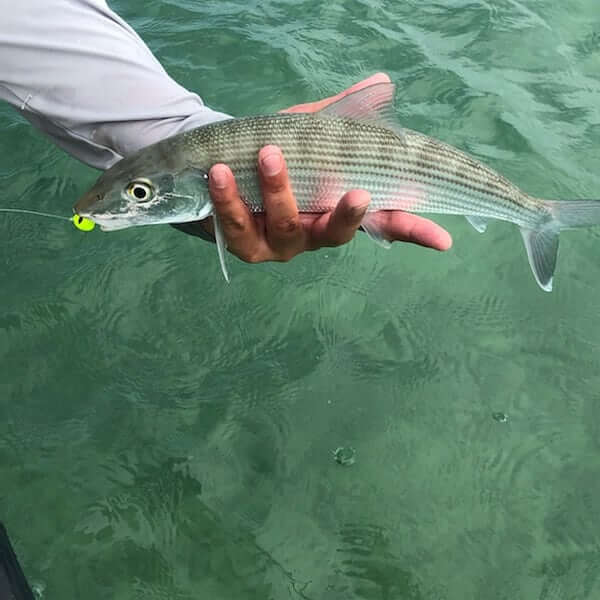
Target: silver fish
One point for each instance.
(354, 143)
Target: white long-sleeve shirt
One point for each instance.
(84, 77)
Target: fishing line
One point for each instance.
(33, 212)
(82, 223)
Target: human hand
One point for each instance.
(281, 232)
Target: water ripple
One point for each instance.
(166, 435)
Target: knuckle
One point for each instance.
(234, 223)
(224, 199)
(276, 186)
(286, 226)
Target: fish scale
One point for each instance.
(352, 143)
(356, 154)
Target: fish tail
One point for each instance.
(575, 213)
(12, 580)
(542, 243)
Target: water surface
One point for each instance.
(164, 435)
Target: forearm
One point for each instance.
(80, 74)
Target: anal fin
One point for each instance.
(373, 230)
(542, 250)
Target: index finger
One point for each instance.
(284, 229)
(235, 218)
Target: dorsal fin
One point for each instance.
(373, 104)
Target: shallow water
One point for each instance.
(164, 435)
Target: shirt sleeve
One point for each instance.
(84, 77)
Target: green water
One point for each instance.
(164, 435)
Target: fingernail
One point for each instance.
(218, 176)
(360, 208)
(271, 163)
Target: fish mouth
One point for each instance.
(90, 207)
(107, 222)
(84, 206)
(112, 226)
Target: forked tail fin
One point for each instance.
(13, 585)
(542, 244)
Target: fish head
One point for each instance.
(147, 189)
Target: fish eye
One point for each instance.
(141, 191)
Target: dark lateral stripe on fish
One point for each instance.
(417, 172)
(462, 178)
(320, 130)
(440, 161)
(454, 176)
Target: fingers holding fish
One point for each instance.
(280, 233)
(338, 227)
(277, 234)
(406, 227)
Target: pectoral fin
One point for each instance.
(373, 230)
(221, 246)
